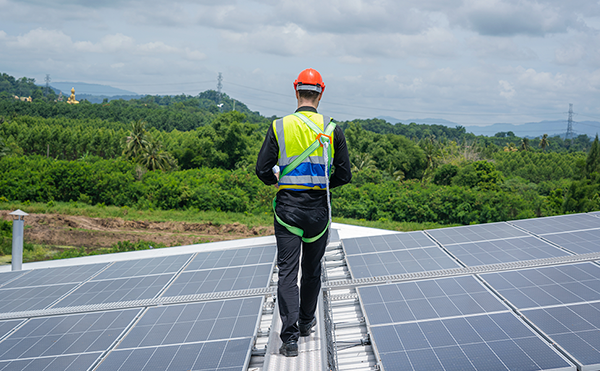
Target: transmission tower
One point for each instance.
(569, 134)
(47, 79)
(219, 87)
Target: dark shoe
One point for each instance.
(289, 348)
(305, 328)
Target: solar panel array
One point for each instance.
(395, 254)
(215, 334)
(545, 318)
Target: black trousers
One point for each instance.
(299, 305)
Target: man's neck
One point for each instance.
(306, 108)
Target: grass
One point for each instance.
(100, 211)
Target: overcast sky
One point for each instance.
(474, 62)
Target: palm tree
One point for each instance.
(155, 158)
(137, 141)
(362, 161)
(525, 144)
(395, 173)
(544, 142)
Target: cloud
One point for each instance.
(56, 43)
(569, 55)
(506, 89)
(500, 48)
(515, 17)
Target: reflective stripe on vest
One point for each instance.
(293, 137)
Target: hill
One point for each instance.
(528, 129)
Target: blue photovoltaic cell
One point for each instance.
(8, 276)
(190, 323)
(75, 362)
(71, 342)
(67, 334)
(234, 257)
(475, 233)
(109, 291)
(560, 223)
(575, 328)
(504, 251)
(427, 299)
(497, 341)
(144, 267)
(399, 262)
(216, 335)
(391, 242)
(537, 287)
(223, 279)
(31, 298)
(8, 326)
(224, 355)
(54, 276)
(580, 242)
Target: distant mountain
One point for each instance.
(529, 129)
(89, 89)
(100, 98)
(393, 120)
(537, 129)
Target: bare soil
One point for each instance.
(82, 231)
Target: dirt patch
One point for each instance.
(82, 231)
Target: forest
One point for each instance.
(198, 153)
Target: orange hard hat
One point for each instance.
(309, 79)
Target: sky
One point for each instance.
(473, 62)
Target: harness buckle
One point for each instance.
(324, 138)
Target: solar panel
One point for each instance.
(224, 355)
(575, 328)
(504, 251)
(427, 299)
(580, 242)
(475, 233)
(54, 276)
(560, 223)
(70, 341)
(196, 322)
(230, 258)
(108, 291)
(399, 262)
(144, 267)
(6, 277)
(221, 279)
(31, 298)
(8, 326)
(76, 362)
(536, 287)
(497, 341)
(216, 335)
(391, 242)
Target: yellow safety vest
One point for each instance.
(294, 136)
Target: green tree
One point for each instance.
(544, 142)
(525, 144)
(592, 162)
(362, 161)
(137, 140)
(153, 157)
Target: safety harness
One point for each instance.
(323, 139)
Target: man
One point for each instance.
(302, 209)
